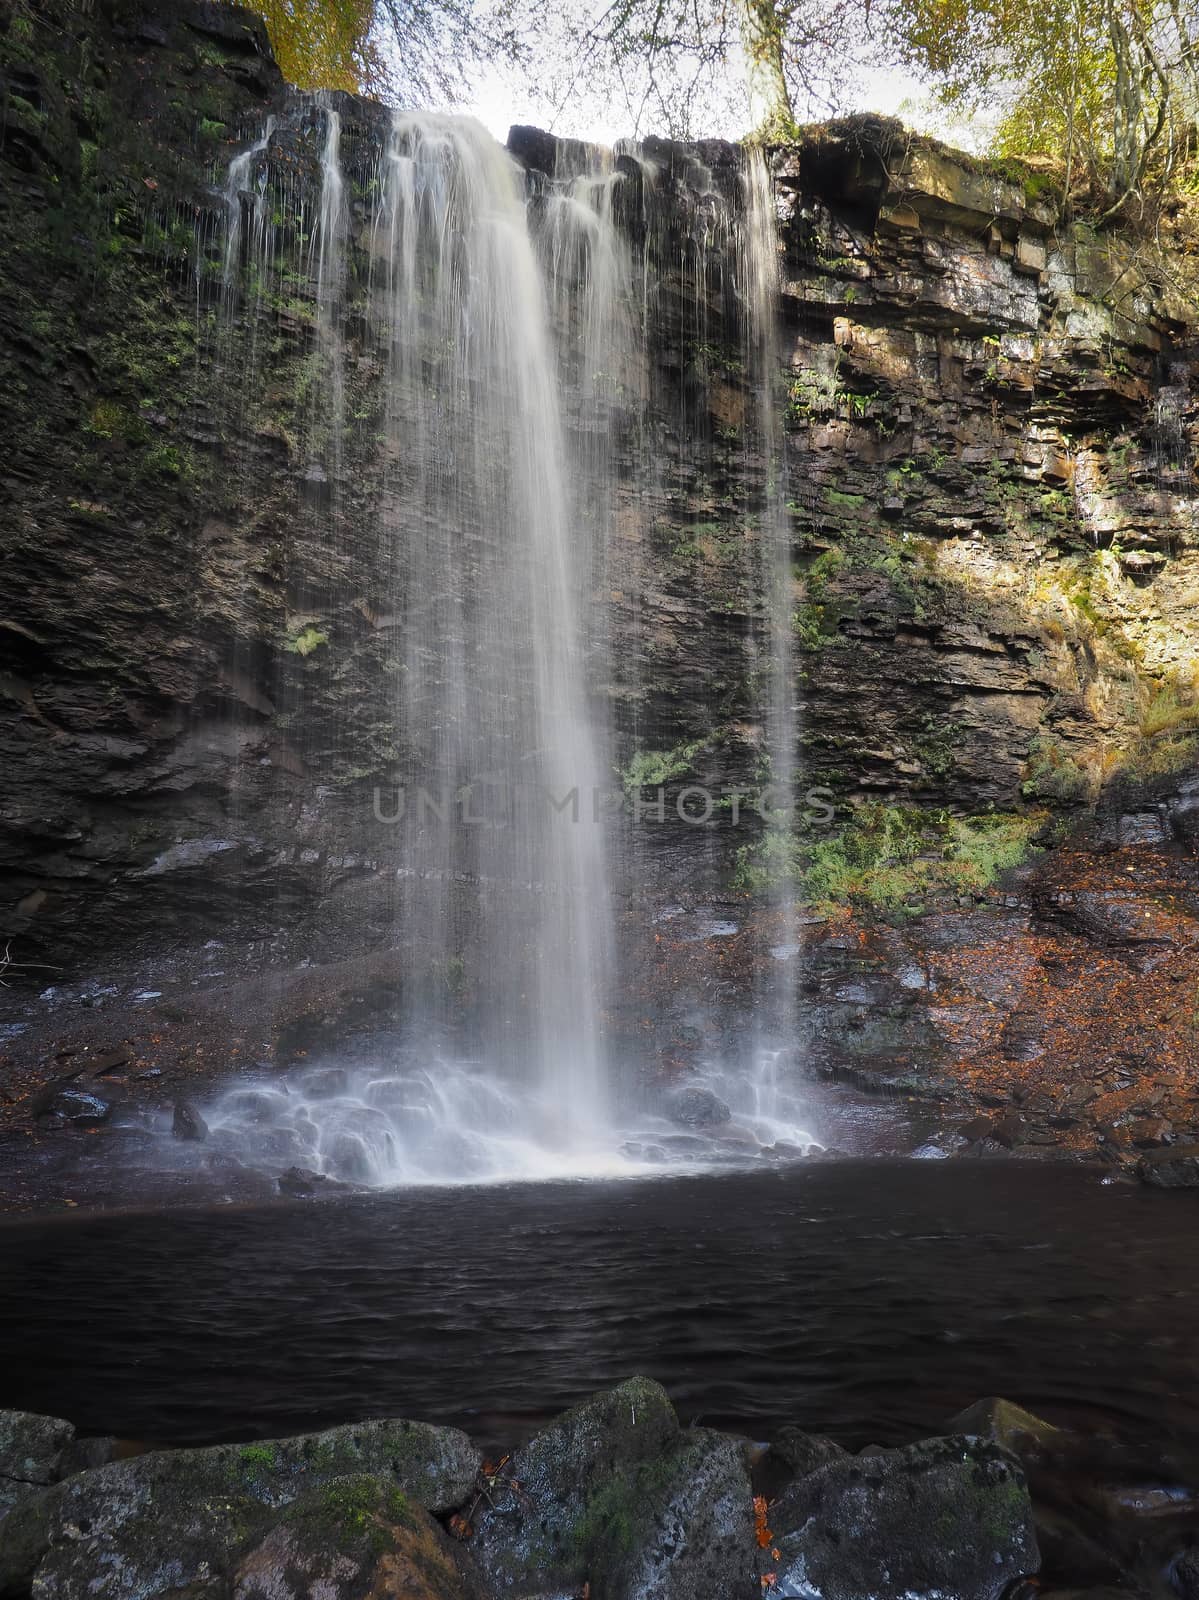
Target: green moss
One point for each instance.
(259, 1455)
(621, 1505)
(650, 769)
(1053, 775)
(890, 859)
(307, 640)
(836, 498)
(107, 419)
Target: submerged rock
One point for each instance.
(947, 1516)
(156, 1524)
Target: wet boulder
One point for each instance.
(156, 1524)
(697, 1108)
(31, 1446)
(74, 1105)
(537, 1528)
(1172, 1167)
(793, 1454)
(357, 1538)
(34, 1453)
(1020, 1432)
(947, 1516)
(677, 1527)
(187, 1123)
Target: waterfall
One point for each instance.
(777, 1010)
(480, 340)
(490, 582)
(241, 170)
(330, 241)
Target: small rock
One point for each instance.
(187, 1123)
(109, 1061)
(83, 1108)
(1173, 1167)
(301, 1182)
(975, 1130)
(31, 1446)
(697, 1108)
(1150, 1132)
(1018, 1431)
(1186, 1574)
(802, 1453)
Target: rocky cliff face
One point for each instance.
(990, 445)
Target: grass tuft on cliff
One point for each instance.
(892, 859)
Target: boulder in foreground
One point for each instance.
(947, 1516)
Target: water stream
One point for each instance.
(508, 315)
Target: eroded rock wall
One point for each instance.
(990, 443)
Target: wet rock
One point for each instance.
(792, 1454)
(1173, 1167)
(33, 1451)
(949, 1516)
(357, 1537)
(110, 1061)
(1018, 1431)
(31, 1446)
(79, 1107)
(573, 1479)
(697, 1108)
(187, 1123)
(160, 1522)
(24, 1536)
(83, 1455)
(1185, 1574)
(801, 1453)
(301, 1182)
(677, 1527)
(1149, 1133)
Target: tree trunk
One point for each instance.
(769, 96)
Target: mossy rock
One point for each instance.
(948, 1516)
(357, 1538)
(677, 1527)
(153, 1525)
(570, 1476)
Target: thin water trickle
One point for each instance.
(777, 1014)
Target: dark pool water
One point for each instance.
(868, 1299)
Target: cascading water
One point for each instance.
(507, 321)
(491, 664)
(777, 1010)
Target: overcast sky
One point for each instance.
(501, 99)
